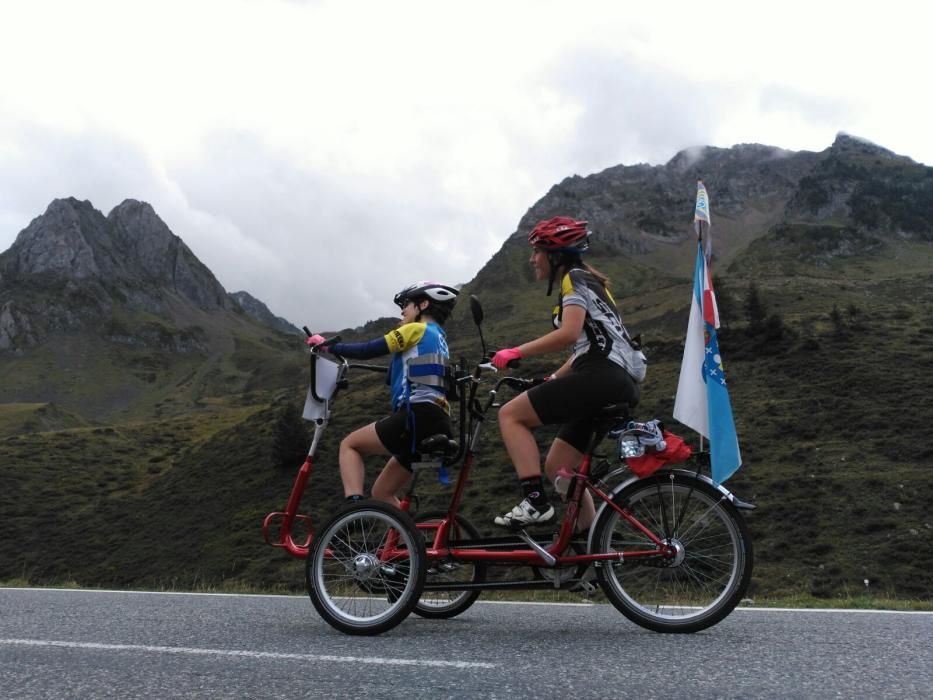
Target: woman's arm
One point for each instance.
(572, 319)
(564, 368)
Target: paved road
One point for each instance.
(101, 644)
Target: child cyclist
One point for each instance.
(417, 380)
(599, 371)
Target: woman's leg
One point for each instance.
(563, 454)
(361, 443)
(516, 419)
(390, 481)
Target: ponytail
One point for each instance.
(600, 277)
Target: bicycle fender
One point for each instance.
(732, 498)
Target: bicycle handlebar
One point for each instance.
(370, 368)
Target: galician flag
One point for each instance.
(702, 400)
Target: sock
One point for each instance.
(533, 489)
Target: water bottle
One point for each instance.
(562, 481)
(629, 446)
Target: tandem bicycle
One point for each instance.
(671, 551)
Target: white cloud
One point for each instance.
(323, 154)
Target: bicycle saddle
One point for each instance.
(439, 443)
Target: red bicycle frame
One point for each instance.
(439, 546)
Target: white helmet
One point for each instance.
(442, 298)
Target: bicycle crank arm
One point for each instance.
(549, 558)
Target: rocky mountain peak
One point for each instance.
(154, 254)
(73, 268)
(258, 311)
(61, 242)
(847, 143)
(131, 249)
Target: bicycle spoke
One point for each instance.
(704, 570)
(355, 587)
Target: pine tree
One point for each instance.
(755, 311)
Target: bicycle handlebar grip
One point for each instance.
(307, 332)
(486, 363)
(331, 341)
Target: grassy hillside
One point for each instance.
(18, 418)
(132, 365)
(155, 448)
(833, 438)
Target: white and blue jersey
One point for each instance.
(419, 358)
(417, 372)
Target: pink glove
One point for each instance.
(315, 340)
(502, 358)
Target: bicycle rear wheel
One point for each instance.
(447, 604)
(712, 566)
(366, 568)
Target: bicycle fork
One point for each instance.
(290, 514)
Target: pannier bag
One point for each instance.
(646, 447)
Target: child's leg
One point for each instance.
(390, 481)
(353, 448)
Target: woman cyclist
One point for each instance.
(599, 371)
(417, 380)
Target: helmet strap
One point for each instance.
(561, 260)
(555, 261)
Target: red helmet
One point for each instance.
(560, 233)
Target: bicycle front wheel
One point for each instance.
(711, 565)
(366, 568)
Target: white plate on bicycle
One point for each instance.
(327, 373)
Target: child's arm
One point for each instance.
(361, 351)
(396, 340)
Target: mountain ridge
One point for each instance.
(130, 256)
(822, 267)
(144, 321)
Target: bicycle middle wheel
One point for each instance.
(709, 572)
(447, 604)
(366, 568)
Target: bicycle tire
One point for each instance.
(352, 587)
(709, 575)
(443, 605)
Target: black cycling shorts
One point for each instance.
(572, 399)
(401, 432)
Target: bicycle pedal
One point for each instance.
(444, 568)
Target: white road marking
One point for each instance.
(582, 603)
(248, 654)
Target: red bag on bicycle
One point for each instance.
(675, 452)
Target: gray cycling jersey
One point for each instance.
(603, 334)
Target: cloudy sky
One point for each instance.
(322, 155)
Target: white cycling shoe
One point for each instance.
(524, 514)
